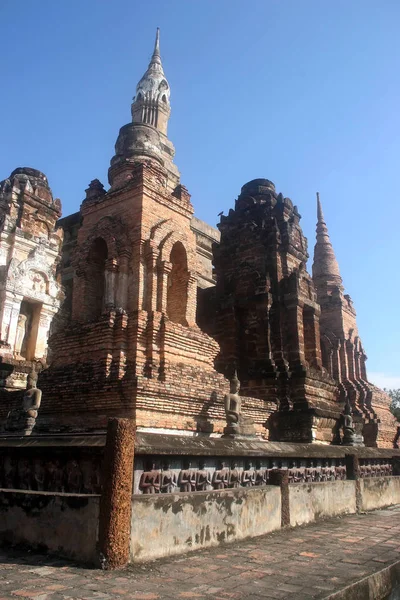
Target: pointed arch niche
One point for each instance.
(178, 279)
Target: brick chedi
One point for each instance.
(132, 346)
(267, 321)
(30, 294)
(343, 354)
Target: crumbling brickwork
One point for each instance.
(267, 321)
(343, 354)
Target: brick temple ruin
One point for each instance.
(127, 289)
(132, 308)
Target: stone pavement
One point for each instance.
(300, 564)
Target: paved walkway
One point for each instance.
(300, 564)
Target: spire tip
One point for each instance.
(320, 215)
(157, 42)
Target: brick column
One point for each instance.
(336, 364)
(351, 365)
(5, 318)
(116, 498)
(165, 269)
(13, 320)
(122, 288)
(191, 300)
(344, 369)
(110, 276)
(281, 477)
(353, 473)
(363, 368)
(295, 335)
(44, 323)
(312, 341)
(150, 257)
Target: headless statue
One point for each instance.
(203, 478)
(235, 476)
(220, 479)
(167, 479)
(150, 480)
(187, 478)
(248, 476)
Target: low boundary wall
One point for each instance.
(74, 495)
(379, 492)
(166, 524)
(309, 502)
(66, 524)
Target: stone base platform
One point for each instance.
(350, 558)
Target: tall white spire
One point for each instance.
(145, 137)
(151, 103)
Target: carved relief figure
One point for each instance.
(10, 472)
(310, 472)
(150, 480)
(234, 479)
(187, 478)
(74, 477)
(96, 477)
(38, 282)
(203, 478)
(221, 477)
(168, 479)
(39, 475)
(248, 476)
(51, 477)
(261, 477)
(59, 477)
(24, 475)
(293, 473)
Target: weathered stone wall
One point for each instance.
(173, 524)
(312, 501)
(168, 524)
(66, 524)
(51, 465)
(379, 492)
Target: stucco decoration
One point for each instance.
(34, 277)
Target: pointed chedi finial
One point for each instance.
(325, 266)
(320, 216)
(151, 104)
(145, 137)
(156, 53)
(155, 64)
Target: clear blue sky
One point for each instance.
(305, 93)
